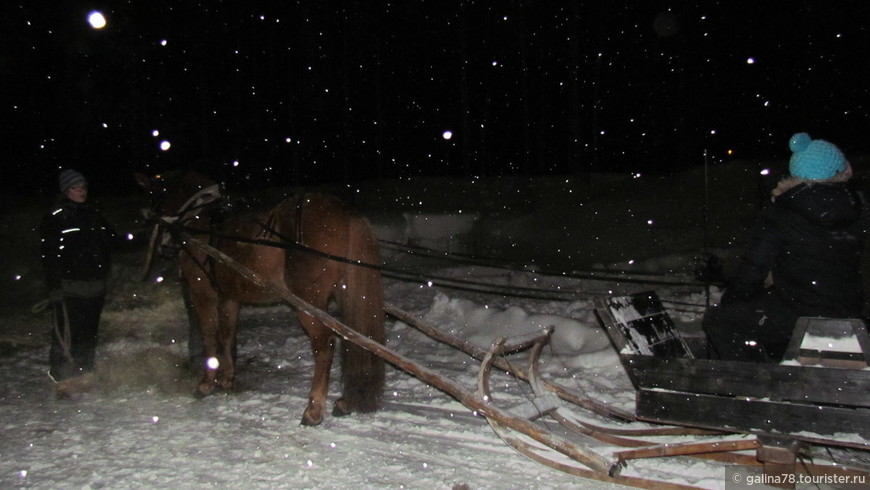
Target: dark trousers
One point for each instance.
(82, 315)
(756, 331)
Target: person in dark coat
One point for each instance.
(76, 255)
(803, 259)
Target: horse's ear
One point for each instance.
(143, 180)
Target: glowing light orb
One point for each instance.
(447, 135)
(212, 363)
(155, 133)
(750, 61)
(165, 145)
(765, 171)
(97, 20)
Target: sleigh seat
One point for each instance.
(817, 394)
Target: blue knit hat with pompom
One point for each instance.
(814, 159)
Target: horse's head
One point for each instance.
(173, 194)
(174, 197)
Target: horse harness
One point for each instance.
(208, 196)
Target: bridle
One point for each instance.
(186, 212)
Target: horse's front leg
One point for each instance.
(323, 347)
(208, 317)
(228, 318)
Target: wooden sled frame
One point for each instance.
(786, 406)
(545, 403)
(592, 465)
(599, 467)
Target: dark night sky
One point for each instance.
(303, 92)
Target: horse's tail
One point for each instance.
(362, 308)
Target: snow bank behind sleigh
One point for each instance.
(482, 325)
(451, 232)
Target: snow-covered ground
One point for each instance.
(136, 424)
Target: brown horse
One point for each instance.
(318, 222)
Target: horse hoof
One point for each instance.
(341, 408)
(313, 415)
(203, 390)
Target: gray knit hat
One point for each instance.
(69, 179)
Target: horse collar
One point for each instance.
(206, 195)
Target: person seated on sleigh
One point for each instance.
(803, 259)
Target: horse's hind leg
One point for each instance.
(322, 346)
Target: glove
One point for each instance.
(55, 296)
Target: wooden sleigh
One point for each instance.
(820, 393)
(515, 425)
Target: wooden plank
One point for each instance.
(845, 360)
(682, 449)
(831, 386)
(639, 324)
(718, 412)
(832, 328)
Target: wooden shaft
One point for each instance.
(466, 397)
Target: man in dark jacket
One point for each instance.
(76, 241)
(804, 259)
